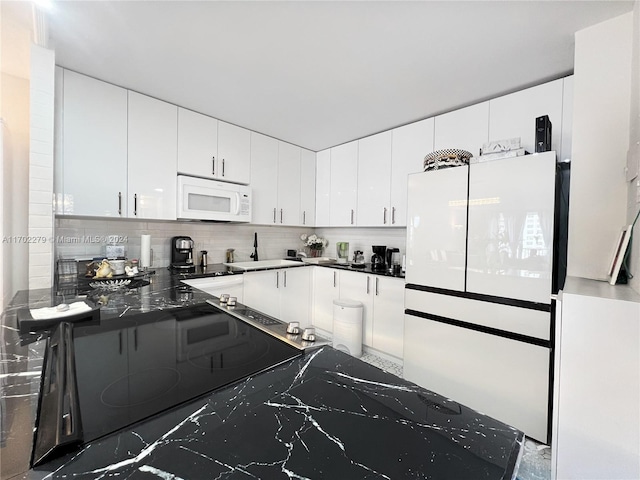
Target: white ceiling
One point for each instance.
(318, 73)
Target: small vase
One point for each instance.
(316, 252)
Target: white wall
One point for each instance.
(15, 185)
(41, 167)
(633, 204)
(598, 198)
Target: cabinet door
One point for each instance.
(466, 129)
(234, 153)
(344, 184)
(410, 144)
(514, 115)
(261, 291)
(374, 180)
(437, 227)
(288, 184)
(511, 217)
(94, 176)
(323, 188)
(360, 287)
(388, 315)
(326, 289)
(264, 183)
(197, 143)
(295, 295)
(152, 165)
(307, 188)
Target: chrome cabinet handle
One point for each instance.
(119, 203)
(280, 215)
(377, 292)
(213, 165)
(120, 340)
(367, 284)
(393, 215)
(223, 167)
(135, 339)
(384, 215)
(334, 279)
(352, 216)
(285, 278)
(135, 204)
(304, 217)
(277, 279)
(274, 215)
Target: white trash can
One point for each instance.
(347, 326)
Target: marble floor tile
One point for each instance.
(536, 461)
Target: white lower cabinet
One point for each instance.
(382, 299)
(284, 294)
(326, 289)
(359, 287)
(383, 309)
(388, 315)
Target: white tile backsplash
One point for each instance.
(75, 238)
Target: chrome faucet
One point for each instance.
(254, 255)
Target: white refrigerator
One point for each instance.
(481, 252)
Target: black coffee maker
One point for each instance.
(377, 259)
(182, 254)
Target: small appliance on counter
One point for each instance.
(358, 259)
(377, 259)
(393, 261)
(182, 254)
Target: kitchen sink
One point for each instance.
(263, 264)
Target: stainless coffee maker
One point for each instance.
(182, 254)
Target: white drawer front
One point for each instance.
(503, 378)
(533, 323)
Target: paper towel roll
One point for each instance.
(145, 251)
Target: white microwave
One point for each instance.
(201, 199)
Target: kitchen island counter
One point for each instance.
(322, 415)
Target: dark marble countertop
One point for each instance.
(322, 415)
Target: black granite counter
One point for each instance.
(322, 415)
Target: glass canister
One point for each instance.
(342, 249)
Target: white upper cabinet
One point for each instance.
(410, 144)
(288, 184)
(307, 188)
(344, 185)
(234, 154)
(276, 170)
(437, 228)
(153, 151)
(264, 184)
(514, 115)
(197, 144)
(511, 225)
(466, 129)
(323, 188)
(94, 170)
(374, 180)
